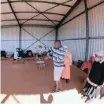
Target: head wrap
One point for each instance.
(101, 56)
(66, 48)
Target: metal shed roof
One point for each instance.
(35, 12)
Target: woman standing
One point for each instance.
(67, 62)
(95, 79)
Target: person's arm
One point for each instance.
(48, 57)
(89, 70)
(70, 59)
(103, 74)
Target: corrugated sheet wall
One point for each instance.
(72, 32)
(95, 45)
(96, 28)
(9, 39)
(96, 21)
(80, 8)
(91, 3)
(29, 37)
(73, 29)
(76, 47)
(31, 34)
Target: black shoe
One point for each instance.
(67, 80)
(62, 78)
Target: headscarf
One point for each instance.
(101, 58)
(66, 48)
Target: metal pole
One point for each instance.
(56, 38)
(87, 31)
(20, 37)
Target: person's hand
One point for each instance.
(46, 58)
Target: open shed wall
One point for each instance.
(9, 39)
(73, 30)
(29, 36)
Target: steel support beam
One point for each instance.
(73, 18)
(99, 3)
(26, 40)
(60, 14)
(98, 37)
(20, 34)
(73, 39)
(32, 20)
(39, 39)
(17, 22)
(82, 12)
(6, 26)
(35, 37)
(39, 1)
(13, 12)
(67, 14)
(27, 25)
(40, 13)
(44, 11)
(56, 36)
(87, 31)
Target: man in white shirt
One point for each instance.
(16, 55)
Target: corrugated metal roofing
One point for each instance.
(93, 2)
(80, 8)
(38, 10)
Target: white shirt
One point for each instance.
(15, 55)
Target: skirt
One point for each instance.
(66, 73)
(91, 91)
(57, 73)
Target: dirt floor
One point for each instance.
(26, 84)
